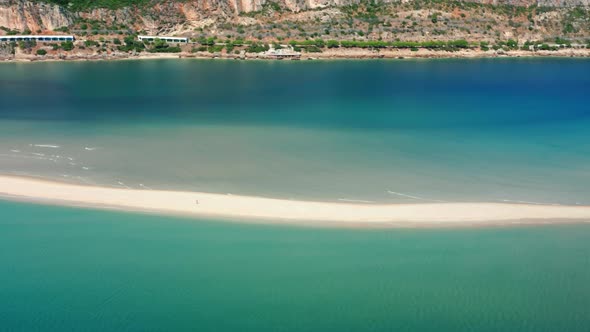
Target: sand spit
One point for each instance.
(281, 211)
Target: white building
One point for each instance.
(39, 38)
(164, 38)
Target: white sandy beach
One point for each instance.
(279, 210)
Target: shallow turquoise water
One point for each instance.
(392, 131)
(65, 269)
(388, 131)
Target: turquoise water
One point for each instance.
(64, 269)
(387, 131)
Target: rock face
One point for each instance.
(170, 15)
(563, 3)
(22, 15)
(540, 3)
(6, 51)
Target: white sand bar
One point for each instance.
(277, 210)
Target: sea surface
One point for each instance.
(374, 131)
(65, 269)
(394, 131)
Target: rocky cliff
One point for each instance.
(180, 15)
(22, 15)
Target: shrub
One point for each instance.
(333, 44)
(90, 43)
(131, 45)
(512, 44)
(27, 44)
(313, 49)
(199, 49)
(161, 46)
(67, 46)
(257, 48)
(215, 48)
(41, 52)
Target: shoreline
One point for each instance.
(289, 212)
(331, 54)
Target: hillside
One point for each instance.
(311, 25)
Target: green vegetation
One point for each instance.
(563, 42)
(161, 46)
(87, 4)
(376, 44)
(256, 48)
(41, 52)
(545, 47)
(215, 48)
(67, 46)
(571, 22)
(131, 44)
(199, 49)
(10, 32)
(229, 47)
(333, 44)
(206, 41)
(27, 45)
(90, 43)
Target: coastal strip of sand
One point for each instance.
(281, 210)
(329, 54)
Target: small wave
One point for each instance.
(38, 154)
(22, 156)
(85, 180)
(85, 168)
(122, 184)
(89, 148)
(15, 151)
(527, 202)
(144, 186)
(354, 200)
(46, 146)
(24, 173)
(414, 197)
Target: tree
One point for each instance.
(333, 44)
(512, 44)
(67, 46)
(159, 43)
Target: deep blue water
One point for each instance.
(452, 130)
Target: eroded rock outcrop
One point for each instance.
(170, 15)
(22, 15)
